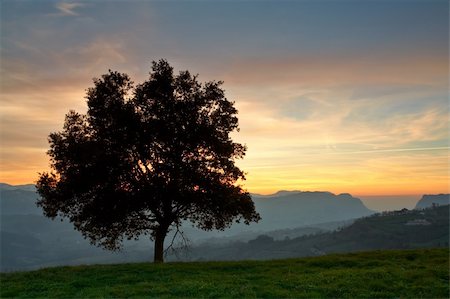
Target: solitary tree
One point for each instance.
(145, 158)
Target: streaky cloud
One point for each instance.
(398, 150)
(68, 8)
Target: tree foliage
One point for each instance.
(145, 158)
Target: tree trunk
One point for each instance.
(159, 245)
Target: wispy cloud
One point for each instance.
(316, 113)
(334, 70)
(68, 8)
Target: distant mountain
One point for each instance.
(288, 209)
(428, 200)
(283, 192)
(27, 187)
(282, 210)
(18, 200)
(390, 202)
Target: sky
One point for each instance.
(339, 96)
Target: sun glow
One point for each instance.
(330, 107)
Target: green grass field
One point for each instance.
(420, 273)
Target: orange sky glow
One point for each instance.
(368, 116)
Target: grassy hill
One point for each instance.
(420, 273)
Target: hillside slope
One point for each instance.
(381, 274)
(391, 230)
(428, 201)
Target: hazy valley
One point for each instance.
(293, 224)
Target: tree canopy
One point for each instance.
(145, 158)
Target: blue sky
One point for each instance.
(344, 96)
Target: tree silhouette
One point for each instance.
(145, 158)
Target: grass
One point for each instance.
(422, 273)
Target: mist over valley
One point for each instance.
(293, 224)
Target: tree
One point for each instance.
(145, 158)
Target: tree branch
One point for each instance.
(185, 243)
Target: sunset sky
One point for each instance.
(339, 96)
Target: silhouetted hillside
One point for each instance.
(391, 230)
(428, 200)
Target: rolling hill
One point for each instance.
(406, 229)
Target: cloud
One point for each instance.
(68, 8)
(330, 71)
(332, 105)
(329, 148)
(70, 68)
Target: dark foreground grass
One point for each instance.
(383, 274)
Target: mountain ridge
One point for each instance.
(428, 200)
(26, 187)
